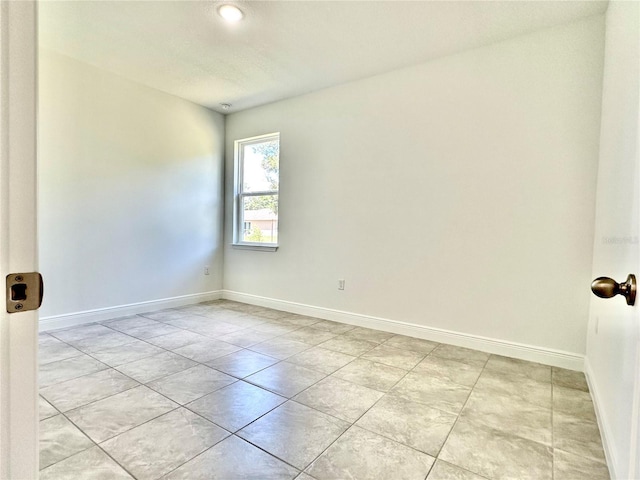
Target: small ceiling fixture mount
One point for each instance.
(230, 13)
(225, 106)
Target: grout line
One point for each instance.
(99, 399)
(115, 461)
(464, 469)
(266, 451)
(461, 410)
(198, 455)
(95, 444)
(79, 376)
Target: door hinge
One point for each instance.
(24, 292)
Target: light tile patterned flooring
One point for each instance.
(225, 390)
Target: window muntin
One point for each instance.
(257, 170)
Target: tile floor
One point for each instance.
(225, 390)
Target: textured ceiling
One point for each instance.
(281, 48)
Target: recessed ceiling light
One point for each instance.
(230, 13)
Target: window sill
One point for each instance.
(255, 246)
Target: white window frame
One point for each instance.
(239, 195)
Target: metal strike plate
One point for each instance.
(24, 291)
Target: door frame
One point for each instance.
(18, 236)
(634, 467)
(634, 456)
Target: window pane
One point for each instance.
(261, 166)
(260, 219)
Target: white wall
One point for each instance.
(614, 328)
(482, 166)
(130, 190)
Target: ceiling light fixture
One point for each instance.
(225, 106)
(230, 13)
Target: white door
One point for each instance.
(613, 350)
(18, 246)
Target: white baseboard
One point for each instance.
(603, 423)
(70, 319)
(556, 358)
(531, 353)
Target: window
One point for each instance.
(257, 171)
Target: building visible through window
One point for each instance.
(257, 171)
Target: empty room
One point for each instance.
(320, 240)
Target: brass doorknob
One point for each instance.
(605, 287)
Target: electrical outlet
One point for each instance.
(341, 284)
(206, 270)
